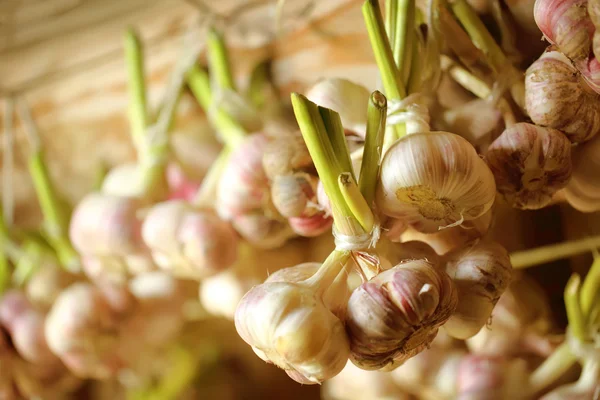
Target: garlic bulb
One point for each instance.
(243, 186)
(481, 377)
(106, 225)
(397, 314)
(261, 230)
(285, 154)
(481, 272)
(180, 185)
(475, 120)
(354, 383)
(187, 241)
(82, 330)
(594, 13)
(294, 195)
(434, 180)
(566, 24)
(312, 226)
(520, 323)
(530, 164)
(557, 97)
(346, 98)
(26, 328)
(583, 190)
(123, 180)
(289, 324)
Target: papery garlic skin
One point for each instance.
(556, 97)
(530, 164)
(289, 325)
(594, 13)
(188, 241)
(583, 190)
(395, 315)
(566, 24)
(346, 98)
(433, 180)
(481, 272)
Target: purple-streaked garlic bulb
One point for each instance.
(396, 314)
(530, 164)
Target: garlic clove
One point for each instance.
(294, 329)
(346, 98)
(397, 314)
(530, 164)
(481, 272)
(434, 180)
(583, 190)
(284, 155)
(557, 97)
(293, 195)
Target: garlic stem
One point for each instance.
(230, 130)
(259, 79)
(328, 271)
(402, 45)
(218, 59)
(179, 377)
(355, 201)
(55, 219)
(207, 191)
(335, 132)
(590, 289)
(479, 34)
(371, 154)
(134, 60)
(544, 254)
(391, 21)
(4, 265)
(326, 161)
(574, 314)
(552, 368)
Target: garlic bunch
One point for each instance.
(287, 321)
(481, 272)
(530, 164)
(583, 190)
(396, 314)
(557, 97)
(434, 180)
(346, 98)
(494, 378)
(566, 24)
(189, 242)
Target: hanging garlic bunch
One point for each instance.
(288, 323)
(294, 188)
(396, 314)
(434, 180)
(583, 190)
(481, 272)
(530, 164)
(566, 24)
(347, 98)
(191, 243)
(557, 97)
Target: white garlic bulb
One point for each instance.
(346, 98)
(434, 180)
(123, 180)
(583, 190)
(481, 272)
(187, 241)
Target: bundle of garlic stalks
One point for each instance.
(353, 237)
